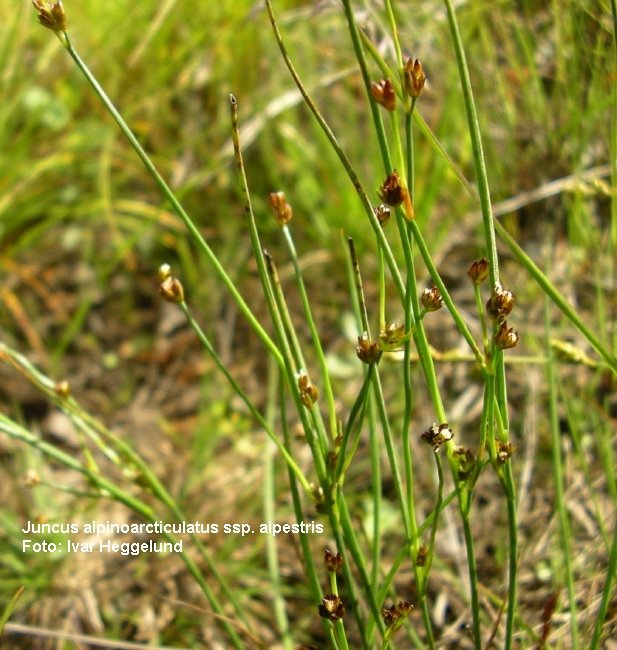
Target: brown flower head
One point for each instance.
(478, 271)
(331, 608)
(431, 299)
(382, 212)
(504, 452)
(390, 615)
(506, 337)
(422, 555)
(367, 350)
(51, 14)
(333, 561)
(437, 435)
(394, 193)
(404, 608)
(500, 303)
(395, 615)
(171, 290)
(383, 93)
(414, 78)
(393, 337)
(308, 391)
(282, 210)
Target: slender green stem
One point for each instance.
(359, 292)
(175, 204)
(393, 29)
(269, 501)
(473, 583)
(413, 320)
(17, 432)
(507, 480)
(417, 117)
(339, 626)
(205, 341)
(376, 491)
(376, 226)
(347, 543)
(359, 559)
(556, 297)
(310, 416)
(611, 572)
(321, 357)
(315, 441)
(558, 478)
(476, 143)
(354, 421)
(307, 556)
(613, 161)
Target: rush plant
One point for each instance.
(356, 587)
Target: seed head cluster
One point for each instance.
(51, 14)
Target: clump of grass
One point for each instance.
(355, 588)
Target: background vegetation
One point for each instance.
(83, 230)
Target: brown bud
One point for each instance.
(383, 93)
(332, 608)
(171, 290)
(500, 303)
(395, 615)
(437, 435)
(367, 350)
(62, 389)
(431, 299)
(504, 452)
(414, 78)
(282, 210)
(404, 608)
(393, 337)
(333, 561)
(394, 193)
(506, 337)
(382, 212)
(390, 615)
(422, 555)
(51, 14)
(308, 391)
(478, 271)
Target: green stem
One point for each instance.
(307, 556)
(13, 430)
(476, 143)
(507, 481)
(321, 357)
(269, 500)
(473, 583)
(558, 478)
(376, 226)
(175, 204)
(556, 297)
(205, 341)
